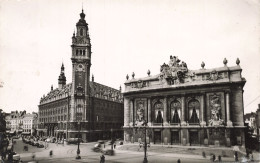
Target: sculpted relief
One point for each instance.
(215, 106)
(140, 113)
(175, 72)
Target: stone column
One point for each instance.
(229, 123)
(183, 122)
(202, 108)
(126, 111)
(165, 122)
(131, 112)
(149, 111)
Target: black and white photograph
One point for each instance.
(129, 81)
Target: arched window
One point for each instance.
(84, 52)
(158, 108)
(194, 107)
(175, 111)
(81, 32)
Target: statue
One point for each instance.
(215, 111)
(140, 114)
(174, 70)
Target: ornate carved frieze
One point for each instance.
(171, 99)
(192, 97)
(140, 84)
(214, 75)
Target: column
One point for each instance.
(131, 112)
(126, 112)
(72, 118)
(149, 111)
(165, 111)
(229, 123)
(202, 108)
(183, 122)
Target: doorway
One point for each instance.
(175, 137)
(157, 137)
(194, 138)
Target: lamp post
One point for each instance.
(145, 144)
(78, 151)
(111, 139)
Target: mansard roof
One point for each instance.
(57, 94)
(96, 90)
(104, 92)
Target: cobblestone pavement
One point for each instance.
(128, 153)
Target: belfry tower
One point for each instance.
(62, 78)
(81, 62)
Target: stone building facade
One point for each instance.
(186, 107)
(93, 109)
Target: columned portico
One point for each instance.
(187, 107)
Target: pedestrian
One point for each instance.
(33, 155)
(219, 158)
(114, 146)
(178, 161)
(236, 156)
(102, 159)
(214, 158)
(51, 153)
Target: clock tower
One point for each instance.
(81, 62)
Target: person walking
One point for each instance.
(236, 156)
(51, 153)
(102, 159)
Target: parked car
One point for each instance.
(108, 152)
(40, 145)
(35, 143)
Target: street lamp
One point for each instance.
(111, 139)
(145, 144)
(78, 151)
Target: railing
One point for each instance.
(157, 124)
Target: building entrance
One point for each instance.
(175, 137)
(194, 137)
(157, 137)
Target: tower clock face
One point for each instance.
(80, 67)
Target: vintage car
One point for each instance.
(40, 145)
(110, 152)
(35, 143)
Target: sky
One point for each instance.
(126, 36)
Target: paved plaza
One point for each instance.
(128, 153)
